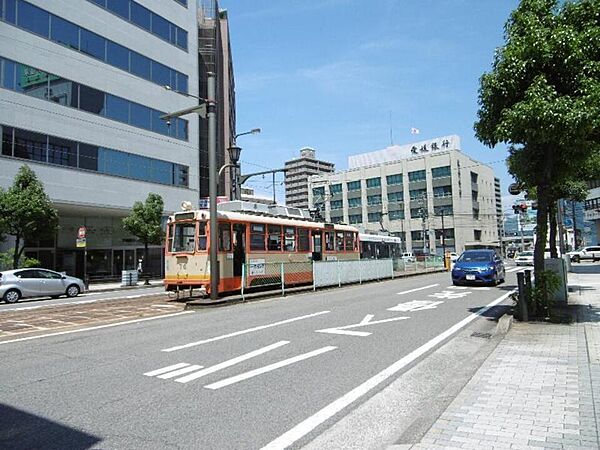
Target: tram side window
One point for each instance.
(257, 236)
(274, 239)
(224, 237)
(339, 241)
(289, 244)
(349, 235)
(329, 241)
(355, 246)
(202, 239)
(303, 240)
(183, 237)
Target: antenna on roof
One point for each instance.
(391, 130)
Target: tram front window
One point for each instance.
(183, 237)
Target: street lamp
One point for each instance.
(234, 157)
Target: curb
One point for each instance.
(120, 288)
(504, 324)
(233, 300)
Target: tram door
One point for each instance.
(317, 240)
(239, 248)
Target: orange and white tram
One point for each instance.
(246, 238)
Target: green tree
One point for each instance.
(27, 212)
(144, 222)
(542, 99)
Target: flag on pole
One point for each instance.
(414, 131)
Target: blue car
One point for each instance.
(478, 266)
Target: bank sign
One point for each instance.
(398, 152)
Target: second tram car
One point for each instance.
(375, 246)
(245, 238)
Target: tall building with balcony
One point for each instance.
(296, 176)
(419, 192)
(82, 90)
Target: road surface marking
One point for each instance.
(178, 372)
(238, 333)
(269, 368)
(515, 269)
(418, 289)
(449, 294)
(415, 305)
(231, 362)
(458, 288)
(164, 306)
(166, 369)
(127, 322)
(363, 323)
(309, 424)
(481, 288)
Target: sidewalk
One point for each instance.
(117, 286)
(540, 387)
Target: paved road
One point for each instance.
(272, 373)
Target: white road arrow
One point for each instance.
(366, 321)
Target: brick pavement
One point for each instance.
(540, 388)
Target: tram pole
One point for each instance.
(212, 186)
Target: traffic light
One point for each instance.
(520, 208)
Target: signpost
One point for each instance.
(81, 242)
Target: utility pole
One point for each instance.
(521, 220)
(424, 221)
(443, 238)
(212, 185)
(561, 227)
(575, 246)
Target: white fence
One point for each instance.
(331, 273)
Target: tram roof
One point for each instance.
(257, 218)
(365, 237)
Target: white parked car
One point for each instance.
(21, 283)
(592, 253)
(524, 259)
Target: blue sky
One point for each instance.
(328, 73)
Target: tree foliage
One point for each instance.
(144, 222)
(26, 212)
(542, 99)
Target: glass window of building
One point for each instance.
(440, 172)
(140, 65)
(10, 11)
(8, 74)
(373, 200)
(374, 217)
(335, 188)
(319, 192)
(119, 7)
(140, 116)
(416, 213)
(30, 145)
(140, 16)
(395, 179)
(161, 74)
(396, 214)
(91, 100)
(417, 175)
(442, 191)
(373, 182)
(416, 235)
(64, 92)
(88, 157)
(117, 55)
(7, 141)
(64, 32)
(32, 81)
(336, 204)
(92, 44)
(160, 27)
(445, 210)
(117, 108)
(355, 218)
(417, 194)
(33, 19)
(353, 185)
(395, 197)
(354, 202)
(62, 151)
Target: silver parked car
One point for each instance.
(21, 283)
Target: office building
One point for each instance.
(296, 176)
(419, 192)
(82, 92)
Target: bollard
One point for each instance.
(314, 278)
(130, 279)
(282, 281)
(86, 283)
(243, 281)
(522, 297)
(527, 273)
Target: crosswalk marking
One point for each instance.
(230, 362)
(270, 367)
(515, 269)
(176, 373)
(165, 369)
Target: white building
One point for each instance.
(82, 92)
(592, 210)
(409, 190)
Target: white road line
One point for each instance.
(515, 269)
(418, 289)
(116, 324)
(481, 288)
(231, 362)
(309, 424)
(176, 373)
(269, 368)
(238, 333)
(166, 369)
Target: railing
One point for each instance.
(279, 276)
